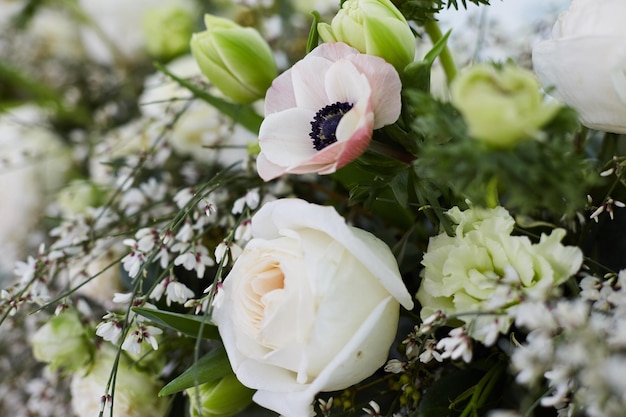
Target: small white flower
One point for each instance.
(243, 232)
(374, 409)
(395, 366)
(133, 341)
(430, 352)
(109, 330)
(183, 197)
(159, 290)
(457, 345)
(251, 200)
(123, 298)
(185, 233)
(177, 292)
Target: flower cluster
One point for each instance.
(239, 208)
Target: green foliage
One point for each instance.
(188, 324)
(211, 367)
(538, 174)
(423, 11)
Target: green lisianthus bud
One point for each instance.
(374, 27)
(78, 195)
(221, 398)
(501, 105)
(62, 342)
(235, 59)
(167, 30)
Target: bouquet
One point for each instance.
(265, 208)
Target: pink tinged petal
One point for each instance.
(354, 134)
(385, 85)
(334, 51)
(268, 170)
(280, 95)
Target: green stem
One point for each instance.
(434, 33)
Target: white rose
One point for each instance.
(585, 61)
(310, 305)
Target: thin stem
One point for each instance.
(434, 33)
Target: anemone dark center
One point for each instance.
(325, 122)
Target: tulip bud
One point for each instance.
(235, 59)
(374, 27)
(62, 342)
(501, 106)
(221, 398)
(167, 30)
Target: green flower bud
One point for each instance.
(167, 30)
(235, 59)
(62, 342)
(501, 106)
(374, 27)
(78, 195)
(221, 398)
(136, 390)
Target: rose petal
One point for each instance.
(289, 214)
(359, 358)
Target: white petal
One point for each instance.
(284, 137)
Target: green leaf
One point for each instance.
(313, 39)
(241, 114)
(212, 366)
(417, 74)
(191, 325)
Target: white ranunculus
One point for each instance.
(310, 305)
(585, 62)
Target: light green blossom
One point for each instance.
(62, 342)
(136, 391)
(483, 268)
(167, 30)
(501, 106)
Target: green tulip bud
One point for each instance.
(62, 342)
(501, 105)
(222, 398)
(235, 59)
(167, 30)
(374, 27)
